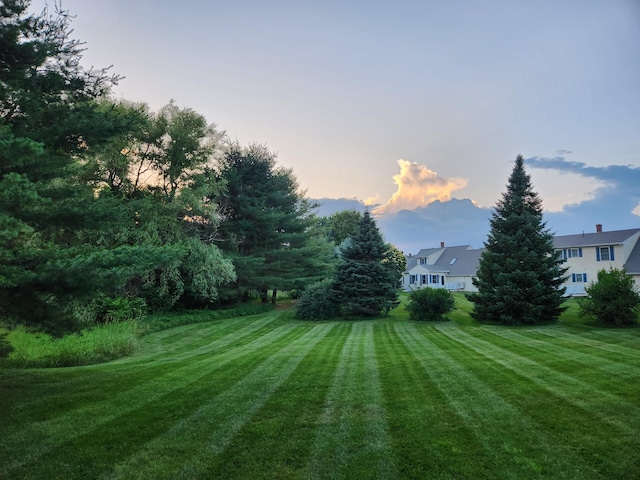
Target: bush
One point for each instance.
(316, 303)
(118, 309)
(612, 300)
(430, 304)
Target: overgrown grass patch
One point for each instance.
(96, 345)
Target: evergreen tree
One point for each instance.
(520, 276)
(366, 281)
(49, 119)
(266, 225)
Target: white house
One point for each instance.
(585, 254)
(445, 267)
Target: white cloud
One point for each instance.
(418, 186)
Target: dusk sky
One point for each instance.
(407, 104)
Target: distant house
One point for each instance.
(585, 254)
(445, 267)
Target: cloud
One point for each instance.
(418, 186)
(455, 222)
(329, 206)
(615, 203)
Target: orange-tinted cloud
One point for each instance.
(418, 186)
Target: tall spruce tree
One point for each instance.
(366, 281)
(520, 277)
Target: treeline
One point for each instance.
(108, 205)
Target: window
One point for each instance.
(604, 254)
(423, 261)
(435, 278)
(412, 279)
(579, 277)
(423, 279)
(571, 253)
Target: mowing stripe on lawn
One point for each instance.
(352, 438)
(428, 440)
(194, 440)
(571, 353)
(55, 431)
(603, 346)
(518, 448)
(277, 441)
(582, 394)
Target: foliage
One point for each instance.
(266, 225)
(365, 283)
(96, 345)
(430, 304)
(396, 260)
(53, 223)
(612, 300)
(519, 278)
(118, 309)
(316, 303)
(165, 320)
(342, 225)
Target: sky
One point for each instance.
(415, 108)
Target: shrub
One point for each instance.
(5, 347)
(316, 303)
(612, 300)
(118, 309)
(430, 304)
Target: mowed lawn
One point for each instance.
(271, 397)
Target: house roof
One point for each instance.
(632, 264)
(593, 239)
(456, 261)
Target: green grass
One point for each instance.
(266, 396)
(90, 346)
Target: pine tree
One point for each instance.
(267, 227)
(366, 282)
(520, 276)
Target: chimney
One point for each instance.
(599, 228)
(441, 244)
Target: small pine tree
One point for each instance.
(612, 300)
(365, 282)
(519, 277)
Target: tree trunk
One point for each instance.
(273, 296)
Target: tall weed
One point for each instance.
(96, 345)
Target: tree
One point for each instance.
(612, 300)
(519, 277)
(49, 118)
(342, 225)
(73, 226)
(365, 282)
(267, 227)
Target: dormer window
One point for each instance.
(423, 261)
